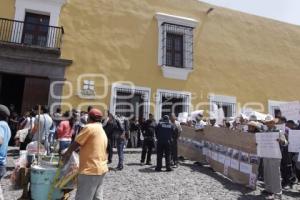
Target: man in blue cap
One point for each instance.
(5, 135)
(164, 134)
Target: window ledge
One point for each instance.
(176, 73)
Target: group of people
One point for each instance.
(96, 135)
(276, 173)
(121, 129)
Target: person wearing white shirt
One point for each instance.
(200, 124)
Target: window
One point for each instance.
(35, 31)
(174, 50)
(228, 108)
(129, 107)
(130, 101)
(168, 102)
(227, 103)
(274, 107)
(175, 47)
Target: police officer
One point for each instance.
(164, 134)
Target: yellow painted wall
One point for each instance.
(7, 9)
(235, 54)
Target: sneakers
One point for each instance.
(148, 163)
(120, 168)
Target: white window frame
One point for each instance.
(169, 71)
(174, 93)
(117, 86)
(223, 99)
(51, 8)
(272, 105)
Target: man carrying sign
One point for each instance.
(272, 175)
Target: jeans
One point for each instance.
(120, 148)
(2, 171)
(90, 187)
(64, 145)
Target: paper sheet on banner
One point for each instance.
(291, 111)
(294, 141)
(267, 145)
(245, 168)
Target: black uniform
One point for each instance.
(148, 130)
(108, 127)
(164, 134)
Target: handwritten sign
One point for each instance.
(294, 141)
(267, 145)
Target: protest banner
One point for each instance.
(232, 153)
(291, 110)
(294, 141)
(267, 145)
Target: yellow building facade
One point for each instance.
(224, 57)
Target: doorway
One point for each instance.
(24, 92)
(11, 90)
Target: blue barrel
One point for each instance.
(41, 182)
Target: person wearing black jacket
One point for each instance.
(148, 131)
(164, 134)
(108, 126)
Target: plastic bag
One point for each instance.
(32, 148)
(68, 173)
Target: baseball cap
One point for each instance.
(95, 113)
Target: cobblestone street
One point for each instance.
(189, 181)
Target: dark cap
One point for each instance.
(166, 118)
(95, 113)
(4, 110)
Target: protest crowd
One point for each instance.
(93, 134)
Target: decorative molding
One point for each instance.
(48, 7)
(176, 73)
(222, 98)
(174, 19)
(45, 7)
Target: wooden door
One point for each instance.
(36, 92)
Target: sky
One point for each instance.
(283, 10)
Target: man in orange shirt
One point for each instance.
(92, 141)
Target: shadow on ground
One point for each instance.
(228, 184)
(149, 170)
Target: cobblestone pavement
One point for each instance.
(188, 182)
